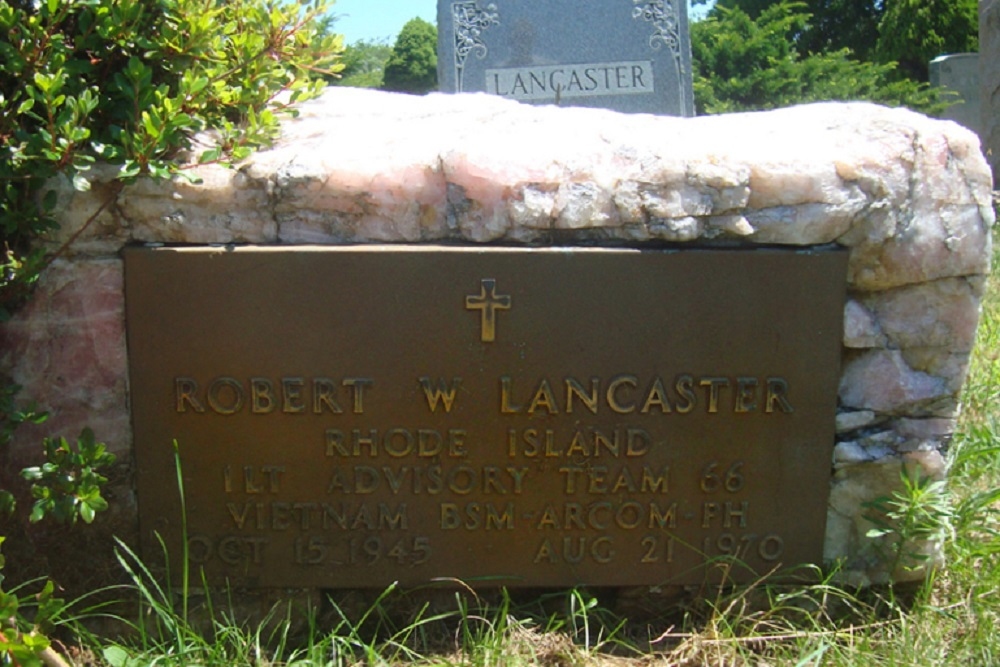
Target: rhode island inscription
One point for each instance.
(358, 416)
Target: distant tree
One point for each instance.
(914, 32)
(833, 24)
(908, 32)
(364, 64)
(744, 64)
(412, 66)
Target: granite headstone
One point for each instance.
(959, 73)
(989, 77)
(628, 55)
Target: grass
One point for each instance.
(952, 619)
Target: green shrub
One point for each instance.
(125, 82)
(743, 63)
(129, 82)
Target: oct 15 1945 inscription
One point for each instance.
(350, 417)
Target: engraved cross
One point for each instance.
(488, 301)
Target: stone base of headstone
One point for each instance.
(908, 197)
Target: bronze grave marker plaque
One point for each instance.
(354, 416)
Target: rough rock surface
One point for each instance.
(909, 196)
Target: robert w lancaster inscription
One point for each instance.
(356, 416)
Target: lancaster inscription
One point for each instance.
(357, 416)
(628, 55)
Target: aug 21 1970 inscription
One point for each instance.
(351, 417)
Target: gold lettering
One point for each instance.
(739, 514)
(593, 520)
(578, 445)
(570, 473)
(601, 550)
(574, 516)
(184, 390)
(304, 511)
(653, 482)
(531, 438)
(567, 554)
(598, 483)
(470, 476)
(746, 394)
(656, 396)
(517, 474)
(366, 479)
(358, 386)
(238, 515)
(273, 474)
(449, 516)
(625, 482)
(550, 443)
(323, 395)
(370, 441)
(545, 553)
(261, 396)
(393, 519)
(279, 515)
(714, 385)
(291, 395)
(490, 482)
(771, 547)
(346, 517)
(657, 519)
(335, 443)
(249, 482)
(612, 393)
(506, 406)
(684, 385)
(777, 390)
(440, 392)
(363, 519)
(395, 478)
(396, 434)
(549, 519)
(338, 482)
(473, 516)
(543, 398)
(575, 550)
(638, 442)
(430, 443)
(216, 393)
(232, 550)
(629, 515)
(709, 512)
(456, 443)
(613, 446)
(574, 388)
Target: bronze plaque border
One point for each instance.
(619, 416)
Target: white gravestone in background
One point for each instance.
(989, 78)
(959, 73)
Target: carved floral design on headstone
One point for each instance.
(470, 21)
(664, 17)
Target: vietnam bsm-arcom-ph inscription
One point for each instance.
(351, 417)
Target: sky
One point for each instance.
(379, 19)
(383, 19)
